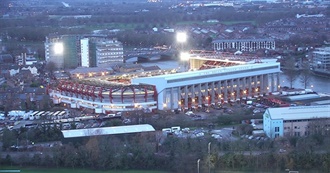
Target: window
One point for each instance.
(277, 129)
(277, 135)
(296, 133)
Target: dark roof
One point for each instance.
(6, 58)
(90, 69)
(9, 67)
(151, 68)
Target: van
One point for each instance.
(175, 129)
(167, 130)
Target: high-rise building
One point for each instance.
(84, 45)
(109, 52)
(63, 51)
(71, 51)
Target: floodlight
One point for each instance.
(184, 56)
(58, 48)
(181, 37)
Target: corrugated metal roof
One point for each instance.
(299, 112)
(107, 130)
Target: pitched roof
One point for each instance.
(107, 130)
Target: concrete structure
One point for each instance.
(321, 61)
(210, 86)
(109, 52)
(249, 45)
(292, 121)
(71, 51)
(209, 81)
(84, 46)
(63, 51)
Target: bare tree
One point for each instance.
(290, 71)
(318, 129)
(305, 75)
(51, 67)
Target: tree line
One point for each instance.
(155, 151)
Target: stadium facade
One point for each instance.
(209, 81)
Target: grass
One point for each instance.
(66, 170)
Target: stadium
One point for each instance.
(211, 78)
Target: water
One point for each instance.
(318, 84)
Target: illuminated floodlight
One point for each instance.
(184, 56)
(58, 48)
(181, 37)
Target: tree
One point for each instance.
(50, 67)
(318, 129)
(244, 129)
(290, 71)
(305, 75)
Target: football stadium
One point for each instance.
(208, 78)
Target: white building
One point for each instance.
(84, 46)
(321, 60)
(109, 52)
(292, 121)
(210, 86)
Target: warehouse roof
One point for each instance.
(107, 130)
(299, 112)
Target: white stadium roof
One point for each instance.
(107, 130)
(300, 112)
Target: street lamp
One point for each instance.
(209, 152)
(198, 165)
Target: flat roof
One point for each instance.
(107, 130)
(299, 112)
(303, 97)
(214, 71)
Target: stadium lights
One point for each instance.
(181, 37)
(58, 48)
(184, 56)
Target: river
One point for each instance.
(318, 84)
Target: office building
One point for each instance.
(294, 121)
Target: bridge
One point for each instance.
(149, 54)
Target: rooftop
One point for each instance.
(107, 131)
(299, 112)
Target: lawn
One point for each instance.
(65, 170)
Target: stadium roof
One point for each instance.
(214, 71)
(107, 131)
(299, 112)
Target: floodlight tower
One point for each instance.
(181, 38)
